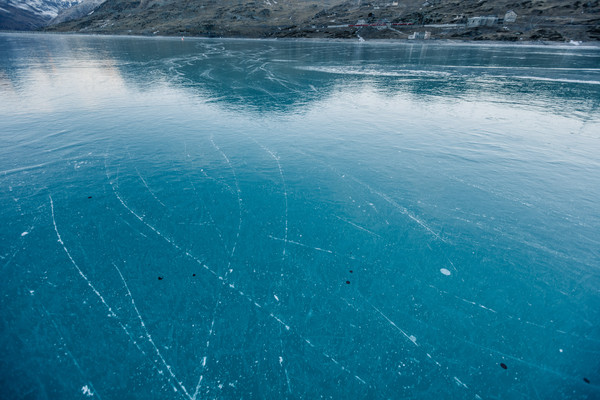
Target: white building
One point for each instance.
(420, 35)
(510, 16)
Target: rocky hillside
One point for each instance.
(554, 20)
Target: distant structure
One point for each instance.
(475, 22)
(510, 17)
(420, 35)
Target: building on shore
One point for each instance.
(420, 35)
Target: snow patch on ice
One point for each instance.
(86, 391)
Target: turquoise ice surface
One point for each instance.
(242, 219)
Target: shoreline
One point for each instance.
(457, 42)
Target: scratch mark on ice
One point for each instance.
(406, 335)
(239, 200)
(285, 196)
(301, 244)
(228, 270)
(390, 201)
(459, 383)
(148, 187)
(287, 376)
(359, 227)
(90, 390)
(402, 209)
(208, 213)
(111, 313)
(148, 336)
(285, 192)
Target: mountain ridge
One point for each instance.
(552, 20)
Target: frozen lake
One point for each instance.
(198, 219)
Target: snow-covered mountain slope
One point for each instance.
(80, 10)
(46, 8)
(31, 14)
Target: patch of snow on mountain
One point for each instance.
(46, 8)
